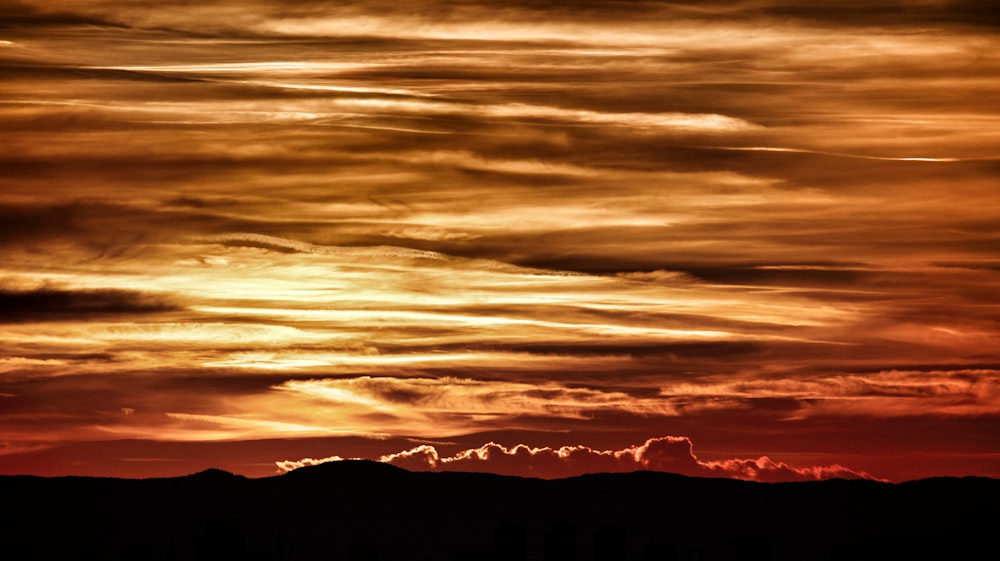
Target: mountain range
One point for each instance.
(369, 511)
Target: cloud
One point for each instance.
(767, 470)
(897, 13)
(448, 405)
(890, 393)
(294, 246)
(16, 14)
(463, 19)
(95, 229)
(673, 454)
(57, 304)
(289, 465)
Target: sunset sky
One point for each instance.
(755, 239)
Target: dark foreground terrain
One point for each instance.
(360, 511)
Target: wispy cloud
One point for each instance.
(264, 219)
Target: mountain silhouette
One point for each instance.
(362, 510)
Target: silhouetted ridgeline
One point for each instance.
(361, 511)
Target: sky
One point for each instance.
(755, 239)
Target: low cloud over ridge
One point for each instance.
(674, 454)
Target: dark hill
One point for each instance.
(360, 511)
